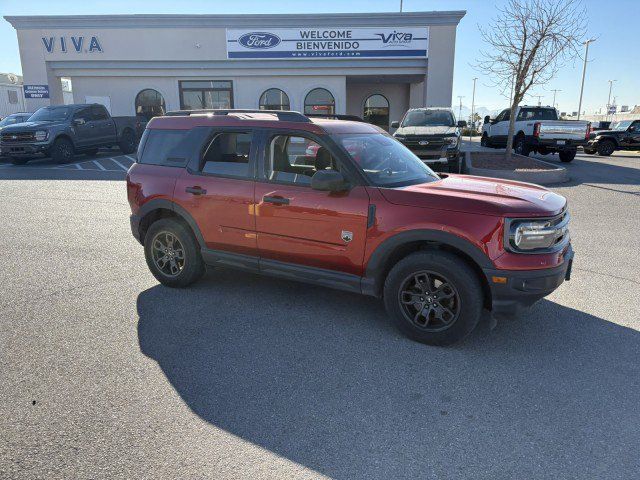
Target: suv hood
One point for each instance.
(481, 195)
(435, 130)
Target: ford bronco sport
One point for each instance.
(342, 204)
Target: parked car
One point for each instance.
(62, 131)
(624, 135)
(229, 189)
(433, 135)
(537, 129)
(14, 118)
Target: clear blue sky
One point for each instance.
(615, 55)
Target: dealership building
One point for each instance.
(374, 65)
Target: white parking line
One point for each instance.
(97, 164)
(78, 166)
(119, 164)
(131, 158)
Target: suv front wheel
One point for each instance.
(172, 253)
(433, 297)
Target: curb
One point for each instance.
(545, 177)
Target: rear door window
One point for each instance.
(228, 154)
(163, 147)
(98, 112)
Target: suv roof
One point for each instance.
(187, 119)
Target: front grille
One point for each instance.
(414, 141)
(17, 137)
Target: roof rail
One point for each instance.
(283, 115)
(336, 116)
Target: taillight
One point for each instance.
(586, 137)
(536, 129)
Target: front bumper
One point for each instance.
(20, 149)
(522, 288)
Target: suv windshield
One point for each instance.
(429, 118)
(50, 114)
(385, 161)
(621, 125)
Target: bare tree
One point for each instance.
(528, 42)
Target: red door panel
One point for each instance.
(309, 229)
(222, 208)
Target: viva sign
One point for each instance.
(78, 44)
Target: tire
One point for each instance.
(127, 142)
(589, 151)
(403, 303)
(19, 160)
(484, 141)
(520, 146)
(567, 155)
(192, 266)
(606, 147)
(62, 151)
(91, 152)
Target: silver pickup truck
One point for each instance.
(537, 129)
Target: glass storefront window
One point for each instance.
(319, 101)
(376, 111)
(150, 103)
(274, 99)
(202, 94)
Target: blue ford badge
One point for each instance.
(259, 40)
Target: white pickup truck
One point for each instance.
(537, 129)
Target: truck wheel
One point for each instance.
(484, 141)
(567, 155)
(589, 151)
(433, 297)
(62, 151)
(606, 148)
(19, 160)
(520, 146)
(127, 143)
(172, 253)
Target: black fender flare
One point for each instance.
(373, 278)
(162, 203)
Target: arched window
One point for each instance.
(274, 99)
(320, 102)
(149, 104)
(376, 111)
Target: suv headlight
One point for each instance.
(537, 235)
(451, 142)
(41, 135)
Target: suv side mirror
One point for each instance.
(632, 128)
(395, 124)
(329, 181)
(487, 119)
(462, 124)
(79, 121)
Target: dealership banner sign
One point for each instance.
(36, 91)
(314, 43)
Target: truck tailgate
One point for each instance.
(563, 130)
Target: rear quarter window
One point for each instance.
(163, 147)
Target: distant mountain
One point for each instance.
(482, 111)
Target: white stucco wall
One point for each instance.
(442, 48)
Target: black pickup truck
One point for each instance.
(62, 131)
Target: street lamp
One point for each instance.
(473, 106)
(460, 111)
(554, 96)
(609, 99)
(584, 71)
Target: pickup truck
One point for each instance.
(62, 131)
(624, 135)
(537, 129)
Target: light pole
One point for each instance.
(538, 97)
(584, 72)
(460, 111)
(554, 96)
(400, 6)
(473, 106)
(609, 99)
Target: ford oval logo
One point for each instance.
(259, 40)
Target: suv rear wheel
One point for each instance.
(567, 155)
(520, 146)
(433, 297)
(127, 142)
(172, 253)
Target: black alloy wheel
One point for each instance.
(62, 151)
(127, 142)
(520, 147)
(429, 301)
(606, 148)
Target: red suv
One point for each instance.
(342, 204)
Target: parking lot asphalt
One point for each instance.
(107, 374)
